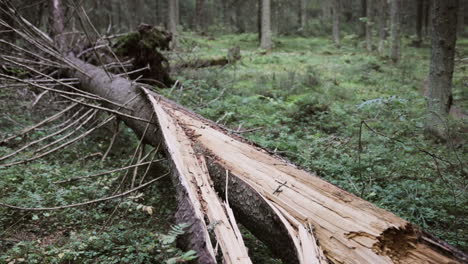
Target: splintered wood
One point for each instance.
(194, 175)
(347, 228)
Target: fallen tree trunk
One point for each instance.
(278, 202)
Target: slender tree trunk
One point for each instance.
(363, 15)
(461, 17)
(369, 22)
(239, 18)
(427, 17)
(266, 42)
(199, 14)
(336, 22)
(259, 19)
(395, 31)
(383, 14)
(419, 22)
(177, 12)
(172, 22)
(303, 14)
(444, 37)
(57, 24)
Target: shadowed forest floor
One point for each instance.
(305, 100)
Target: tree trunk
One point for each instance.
(303, 14)
(199, 14)
(336, 4)
(239, 18)
(177, 12)
(419, 22)
(383, 14)
(444, 36)
(172, 22)
(57, 24)
(369, 23)
(462, 9)
(266, 42)
(363, 15)
(395, 37)
(427, 17)
(259, 19)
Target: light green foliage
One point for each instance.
(309, 100)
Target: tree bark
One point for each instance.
(336, 6)
(363, 15)
(303, 14)
(369, 23)
(259, 19)
(444, 37)
(172, 23)
(199, 14)
(383, 15)
(395, 37)
(57, 24)
(419, 22)
(427, 16)
(462, 9)
(266, 42)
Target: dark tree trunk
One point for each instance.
(427, 16)
(395, 30)
(240, 25)
(336, 6)
(303, 14)
(462, 9)
(363, 15)
(419, 22)
(444, 37)
(259, 19)
(199, 15)
(383, 15)
(369, 23)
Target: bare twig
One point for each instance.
(85, 203)
(104, 173)
(47, 120)
(59, 147)
(114, 136)
(32, 143)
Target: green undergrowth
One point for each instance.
(352, 117)
(137, 228)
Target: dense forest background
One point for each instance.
(338, 87)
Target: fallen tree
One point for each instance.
(273, 198)
(232, 56)
(301, 217)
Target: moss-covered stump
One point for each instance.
(144, 47)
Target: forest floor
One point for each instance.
(352, 117)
